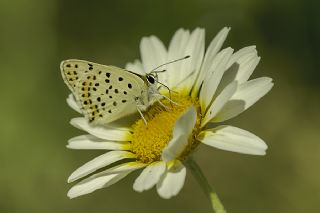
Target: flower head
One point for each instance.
(211, 86)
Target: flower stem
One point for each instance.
(212, 195)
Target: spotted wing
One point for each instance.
(105, 93)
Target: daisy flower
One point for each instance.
(210, 87)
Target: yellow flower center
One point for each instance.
(149, 140)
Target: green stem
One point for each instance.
(212, 195)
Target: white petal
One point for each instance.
(240, 66)
(233, 139)
(191, 66)
(153, 53)
(181, 132)
(125, 167)
(135, 67)
(219, 102)
(92, 142)
(246, 59)
(99, 162)
(176, 50)
(102, 179)
(247, 94)
(73, 103)
(213, 78)
(242, 55)
(172, 181)
(97, 183)
(211, 52)
(247, 69)
(103, 132)
(149, 176)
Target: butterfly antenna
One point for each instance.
(170, 62)
(159, 71)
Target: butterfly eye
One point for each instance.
(150, 79)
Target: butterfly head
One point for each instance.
(152, 78)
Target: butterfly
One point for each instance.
(107, 93)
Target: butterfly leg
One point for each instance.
(163, 85)
(158, 100)
(164, 106)
(170, 90)
(141, 114)
(169, 99)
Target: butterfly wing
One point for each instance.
(105, 93)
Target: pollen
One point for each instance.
(150, 139)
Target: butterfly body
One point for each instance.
(107, 93)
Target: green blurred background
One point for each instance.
(35, 35)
